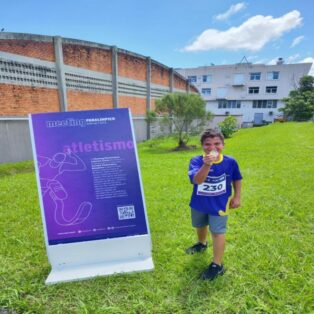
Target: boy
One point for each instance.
(212, 175)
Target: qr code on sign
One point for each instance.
(126, 212)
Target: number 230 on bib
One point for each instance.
(212, 186)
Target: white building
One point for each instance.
(252, 92)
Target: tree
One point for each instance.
(306, 83)
(187, 112)
(150, 117)
(228, 126)
(299, 106)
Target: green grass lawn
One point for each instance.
(269, 253)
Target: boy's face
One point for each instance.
(213, 143)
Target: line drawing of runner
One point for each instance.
(50, 169)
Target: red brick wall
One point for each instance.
(78, 100)
(131, 67)
(28, 48)
(152, 104)
(179, 83)
(194, 89)
(91, 58)
(18, 100)
(160, 75)
(136, 104)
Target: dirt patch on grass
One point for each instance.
(184, 148)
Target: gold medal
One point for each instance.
(214, 153)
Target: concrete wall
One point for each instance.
(15, 143)
(53, 74)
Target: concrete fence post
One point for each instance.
(115, 92)
(148, 92)
(171, 80)
(62, 88)
(171, 83)
(188, 87)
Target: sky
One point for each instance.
(177, 33)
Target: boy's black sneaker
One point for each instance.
(213, 271)
(196, 248)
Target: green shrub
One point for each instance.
(228, 126)
(150, 116)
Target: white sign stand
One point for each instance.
(83, 260)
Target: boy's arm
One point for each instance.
(236, 199)
(202, 174)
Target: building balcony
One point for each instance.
(238, 84)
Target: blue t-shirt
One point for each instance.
(212, 196)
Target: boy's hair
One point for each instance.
(211, 133)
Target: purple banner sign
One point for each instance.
(88, 175)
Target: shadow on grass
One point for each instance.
(166, 145)
(9, 169)
(163, 151)
(195, 293)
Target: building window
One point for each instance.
(206, 91)
(274, 75)
(192, 79)
(206, 78)
(264, 103)
(224, 104)
(255, 76)
(253, 90)
(271, 89)
(271, 103)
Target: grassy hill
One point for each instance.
(269, 253)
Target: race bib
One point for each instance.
(213, 186)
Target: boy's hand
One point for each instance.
(235, 202)
(209, 159)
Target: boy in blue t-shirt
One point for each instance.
(213, 176)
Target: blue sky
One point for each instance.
(177, 33)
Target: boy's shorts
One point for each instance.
(217, 224)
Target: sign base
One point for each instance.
(83, 260)
(80, 272)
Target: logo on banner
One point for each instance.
(78, 122)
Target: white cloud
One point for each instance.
(296, 41)
(290, 59)
(260, 61)
(309, 60)
(251, 58)
(231, 11)
(293, 58)
(272, 61)
(252, 35)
